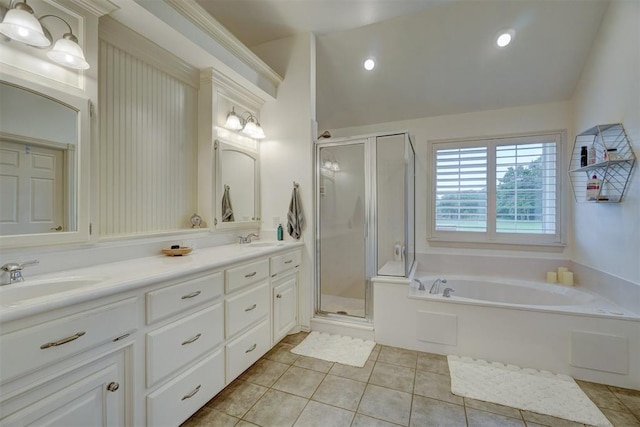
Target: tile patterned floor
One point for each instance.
(396, 387)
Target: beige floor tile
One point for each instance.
(313, 364)
(435, 386)
(276, 409)
(295, 339)
(621, 419)
(341, 392)
(299, 381)
(398, 356)
(352, 372)
(375, 352)
(393, 376)
(282, 353)
(547, 420)
(602, 396)
(317, 414)
(507, 411)
(630, 399)
(207, 417)
(264, 372)
(476, 418)
(244, 423)
(431, 412)
(237, 398)
(386, 404)
(364, 421)
(433, 363)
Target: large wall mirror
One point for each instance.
(43, 153)
(237, 186)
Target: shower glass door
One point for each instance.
(342, 234)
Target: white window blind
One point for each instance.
(461, 189)
(502, 189)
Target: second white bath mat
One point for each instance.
(335, 348)
(536, 391)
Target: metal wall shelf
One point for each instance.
(614, 173)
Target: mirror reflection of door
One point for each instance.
(32, 188)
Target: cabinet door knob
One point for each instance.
(279, 296)
(113, 386)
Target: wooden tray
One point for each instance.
(183, 250)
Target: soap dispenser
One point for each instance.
(280, 232)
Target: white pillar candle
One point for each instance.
(552, 277)
(567, 278)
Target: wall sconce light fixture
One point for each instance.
(20, 24)
(249, 126)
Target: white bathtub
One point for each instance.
(531, 324)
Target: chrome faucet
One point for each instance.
(248, 238)
(12, 272)
(435, 288)
(447, 292)
(420, 285)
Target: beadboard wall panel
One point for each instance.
(147, 147)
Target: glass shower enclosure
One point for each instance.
(365, 210)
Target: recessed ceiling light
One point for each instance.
(505, 38)
(369, 64)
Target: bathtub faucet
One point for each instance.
(420, 285)
(447, 292)
(435, 288)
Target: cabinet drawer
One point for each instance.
(176, 401)
(247, 349)
(286, 261)
(175, 345)
(246, 274)
(247, 308)
(173, 299)
(31, 348)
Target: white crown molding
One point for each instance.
(96, 7)
(201, 18)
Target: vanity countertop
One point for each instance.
(117, 277)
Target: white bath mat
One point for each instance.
(536, 391)
(335, 348)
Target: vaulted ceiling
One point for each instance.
(433, 57)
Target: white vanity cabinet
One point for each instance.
(284, 292)
(68, 368)
(184, 355)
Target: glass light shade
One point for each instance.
(21, 25)
(250, 128)
(259, 133)
(233, 121)
(68, 53)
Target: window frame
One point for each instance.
(491, 236)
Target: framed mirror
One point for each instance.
(44, 162)
(237, 200)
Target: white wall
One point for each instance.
(534, 118)
(607, 237)
(286, 153)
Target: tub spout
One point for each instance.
(435, 288)
(420, 285)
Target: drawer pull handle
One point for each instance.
(113, 386)
(63, 340)
(279, 296)
(190, 340)
(288, 262)
(193, 393)
(191, 295)
(251, 274)
(121, 337)
(251, 308)
(250, 349)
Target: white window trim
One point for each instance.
(491, 238)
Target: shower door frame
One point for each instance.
(370, 241)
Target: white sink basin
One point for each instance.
(22, 293)
(264, 244)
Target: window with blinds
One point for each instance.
(502, 189)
